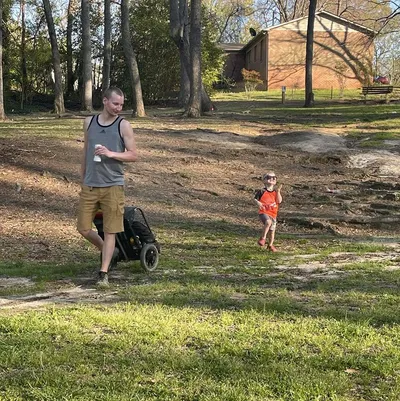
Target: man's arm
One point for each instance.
(83, 158)
(130, 155)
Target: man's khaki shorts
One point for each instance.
(110, 200)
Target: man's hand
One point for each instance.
(102, 150)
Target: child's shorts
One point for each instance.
(264, 218)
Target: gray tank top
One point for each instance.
(109, 172)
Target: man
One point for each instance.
(109, 142)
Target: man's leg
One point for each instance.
(107, 251)
(88, 206)
(93, 238)
(112, 205)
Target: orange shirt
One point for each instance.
(269, 201)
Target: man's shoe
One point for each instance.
(261, 241)
(102, 280)
(272, 248)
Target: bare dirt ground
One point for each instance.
(196, 172)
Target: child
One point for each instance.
(268, 200)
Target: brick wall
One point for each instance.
(340, 58)
(234, 62)
(257, 58)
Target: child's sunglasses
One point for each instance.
(269, 177)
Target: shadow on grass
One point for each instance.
(217, 266)
(363, 297)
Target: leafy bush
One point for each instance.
(251, 79)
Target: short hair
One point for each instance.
(112, 89)
(267, 174)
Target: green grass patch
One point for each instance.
(375, 139)
(43, 128)
(220, 319)
(266, 106)
(152, 352)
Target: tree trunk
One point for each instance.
(107, 46)
(184, 92)
(59, 107)
(24, 77)
(194, 106)
(2, 112)
(179, 27)
(130, 56)
(86, 57)
(179, 33)
(70, 69)
(309, 95)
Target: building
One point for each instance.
(343, 54)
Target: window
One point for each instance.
(261, 50)
(255, 53)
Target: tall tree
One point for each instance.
(194, 106)
(59, 107)
(107, 46)
(24, 72)
(291, 9)
(233, 18)
(130, 56)
(86, 56)
(72, 7)
(179, 33)
(309, 95)
(2, 112)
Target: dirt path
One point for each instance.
(197, 171)
(298, 269)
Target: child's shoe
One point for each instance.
(261, 241)
(272, 248)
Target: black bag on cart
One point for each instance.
(137, 241)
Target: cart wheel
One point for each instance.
(149, 257)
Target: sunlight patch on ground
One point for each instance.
(65, 296)
(9, 282)
(386, 162)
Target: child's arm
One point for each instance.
(259, 204)
(278, 194)
(257, 199)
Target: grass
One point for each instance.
(268, 108)
(372, 138)
(151, 352)
(220, 319)
(372, 123)
(43, 128)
